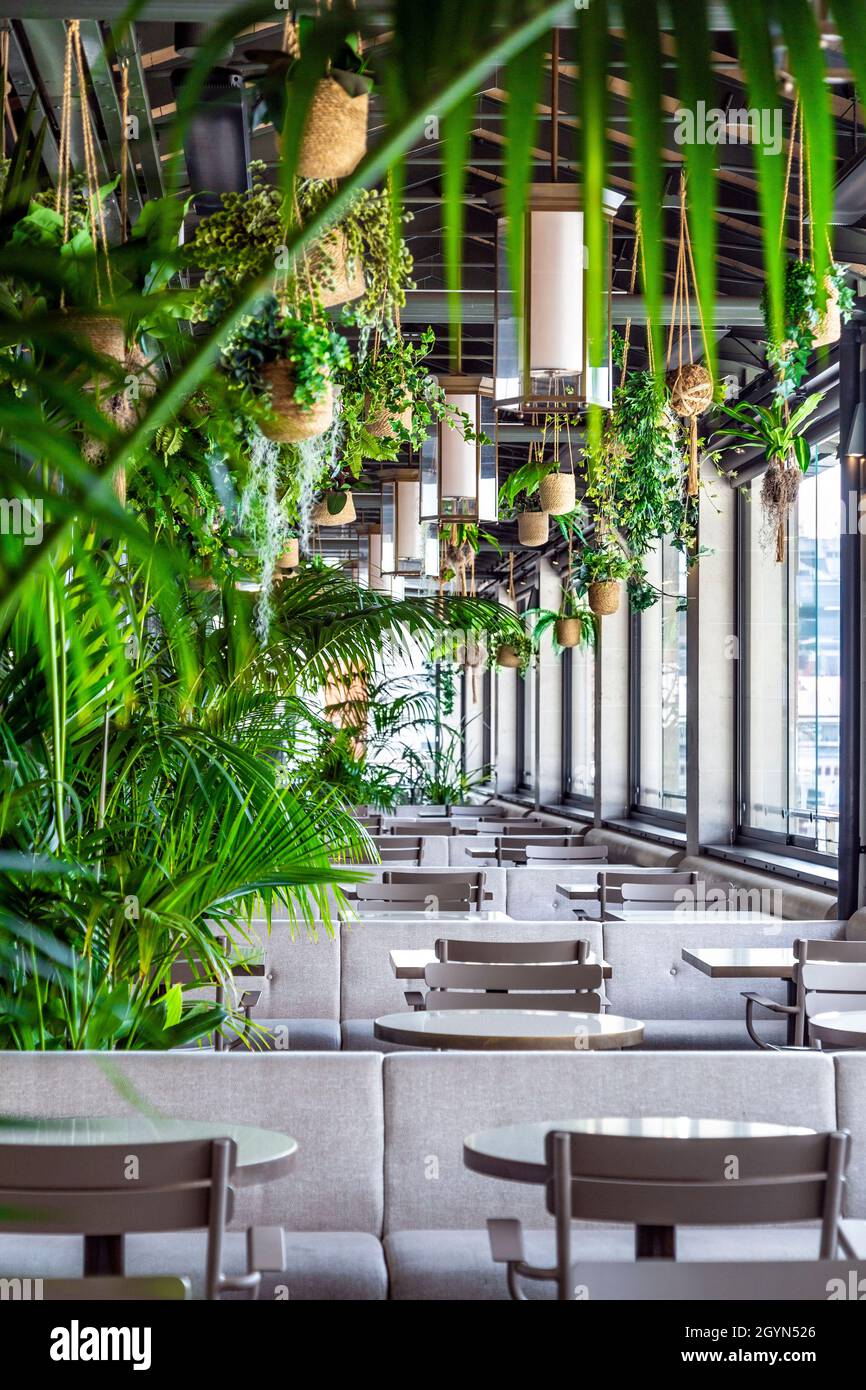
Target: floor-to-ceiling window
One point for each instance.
(789, 715)
(658, 713)
(578, 695)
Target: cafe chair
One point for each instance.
(828, 975)
(570, 850)
(247, 978)
(419, 827)
(657, 1185)
(571, 986)
(399, 849)
(612, 882)
(85, 1189)
(719, 1281)
(412, 893)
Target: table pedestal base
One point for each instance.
(655, 1243)
(103, 1255)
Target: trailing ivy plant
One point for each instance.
(789, 356)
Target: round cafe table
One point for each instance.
(262, 1156)
(839, 1029)
(509, 1030)
(516, 1153)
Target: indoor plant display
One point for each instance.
(335, 132)
(776, 431)
(516, 496)
(515, 653)
(598, 574)
(291, 355)
(362, 258)
(335, 508)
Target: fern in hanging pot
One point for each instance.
(288, 360)
(573, 625)
(334, 139)
(599, 574)
(775, 430)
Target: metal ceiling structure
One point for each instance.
(36, 64)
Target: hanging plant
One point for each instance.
(598, 575)
(776, 431)
(811, 319)
(389, 395)
(291, 357)
(362, 246)
(335, 132)
(689, 383)
(572, 625)
(807, 326)
(515, 654)
(336, 508)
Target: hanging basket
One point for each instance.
(103, 333)
(323, 516)
(604, 597)
(292, 421)
(532, 528)
(508, 657)
(335, 135)
(380, 423)
(569, 632)
(828, 329)
(557, 493)
(346, 272)
(291, 556)
(691, 388)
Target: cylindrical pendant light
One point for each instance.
(459, 479)
(409, 548)
(542, 354)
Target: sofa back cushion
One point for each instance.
(531, 891)
(330, 1103)
(432, 1102)
(651, 980)
(302, 970)
(370, 988)
(851, 1115)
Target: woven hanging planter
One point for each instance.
(346, 272)
(507, 656)
(104, 333)
(557, 493)
(291, 556)
(293, 422)
(828, 329)
(532, 528)
(323, 516)
(569, 632)
(380, 423)
(691, 388)
(335, 135)
(604, 597)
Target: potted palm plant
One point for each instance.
(573, 625)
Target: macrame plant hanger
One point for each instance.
(691, 384)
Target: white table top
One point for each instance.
(397, 915)
(742, 962)
(411, 964)
(516, 1152)
(840, 1028)
(262, 1154)
(509, 1030)
(698, 918)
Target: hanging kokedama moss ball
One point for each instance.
(691, 388)
(778, 494)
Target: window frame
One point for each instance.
(527, 598)
(567, 796)
(748, 836)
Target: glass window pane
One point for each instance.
(583, 721)
(792, 772)
(662, 782)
